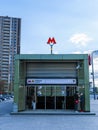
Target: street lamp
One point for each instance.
(94, 92)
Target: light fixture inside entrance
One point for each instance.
(78, 66)
(39, 87)
(39, 93)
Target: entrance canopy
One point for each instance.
(52, 72)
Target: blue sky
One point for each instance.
(66, 20)
(73, 23)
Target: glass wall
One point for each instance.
(49, 96)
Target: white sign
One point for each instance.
(51, 81)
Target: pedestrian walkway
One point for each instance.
(53, 122)
(93, 107)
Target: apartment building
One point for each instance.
(10, 31)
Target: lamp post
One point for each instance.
(94, 92)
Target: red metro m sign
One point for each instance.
(51, 42)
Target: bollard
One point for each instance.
(15, 107)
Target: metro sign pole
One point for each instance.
(51, 42)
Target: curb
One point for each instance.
(48, 113)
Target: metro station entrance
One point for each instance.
(50, 81)
(50, 96)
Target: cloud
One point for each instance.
(80, 39)
(55, 52)
(83, 52)
(77, 52)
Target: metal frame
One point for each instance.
(93, 78)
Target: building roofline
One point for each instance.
(51, 56)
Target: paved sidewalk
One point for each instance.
(94, 106)
(53, 122)
(93, 111)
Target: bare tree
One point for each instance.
(2, 84)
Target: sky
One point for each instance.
(73, 24)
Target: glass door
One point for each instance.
(50, 97)
(60, 97)
(70, 90)
(41, 94)
(47, 96)
(31, 96)
(56, 97)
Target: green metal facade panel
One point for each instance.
(21, 97)
(19, 82)
(86, 84)
(51, 56)
(22, 73)
(16, 81)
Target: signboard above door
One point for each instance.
(38, 81)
